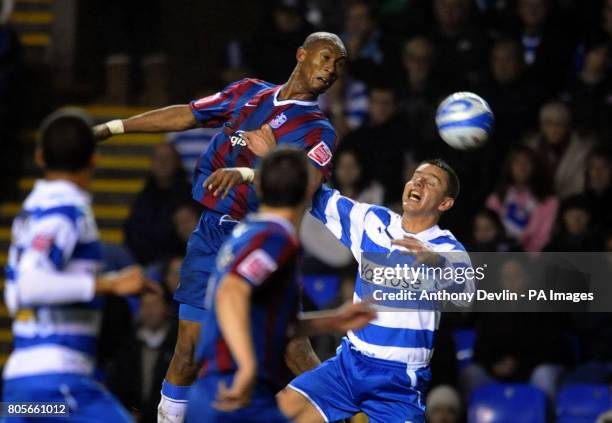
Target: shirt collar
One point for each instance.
(269, 217)
(278, 102)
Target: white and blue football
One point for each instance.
(464, 120)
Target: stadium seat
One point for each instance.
(582, 403)
(321, 289)
(464, 346)
(507, 403)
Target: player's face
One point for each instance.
(426, 192)
(322, 63)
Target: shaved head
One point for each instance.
(327, 37)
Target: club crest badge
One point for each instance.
(278, 121)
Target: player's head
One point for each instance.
(433, 189)
(283, 178)
(67, 142)
(321, 60)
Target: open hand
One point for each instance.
(423, 254)
(239, 394)
(352, 316)
(261, 140)
(222, 181)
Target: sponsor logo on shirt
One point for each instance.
(320, 154)
(237, 139)
(257, 266)
(42, 242)
(278, 121)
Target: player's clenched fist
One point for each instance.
(101, 132)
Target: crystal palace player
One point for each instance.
(254, 296)
(247, 110)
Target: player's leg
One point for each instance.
(393, 394)
(299, 407)
(181, 372)
(322, 394)
(199, 261)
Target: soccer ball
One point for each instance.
(464, 120)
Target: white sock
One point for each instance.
(171, 411)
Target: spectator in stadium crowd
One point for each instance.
(590, 92)
(560, 150)
(547, 47)
(419, 89)
(186, 217)
(140, 365)
(574, 229)
(346, 103)
(504, 347)
(380, 142)
(523, 200)
(272, 55)
(352, 180)
(598, 187)
(460, 45)
(149, 230)
(170, 275)
(512, 95)
(489, 234)
(363, 41)
(443, 405)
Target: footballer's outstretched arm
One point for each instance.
(347, 317)
(233, 309)
(166, 119)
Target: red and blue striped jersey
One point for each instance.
(244, 106)
(263, 250)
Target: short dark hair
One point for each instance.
(67, 142)
(452, 180)
(283, 177)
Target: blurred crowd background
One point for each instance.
(543, 182)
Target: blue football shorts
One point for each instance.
(205, 241)
(261, 409)
(351, 382)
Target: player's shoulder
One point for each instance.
(444, 239)
(386, 216)
(56, 199)
(254, 83)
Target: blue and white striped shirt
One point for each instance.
(53, 259)
(408, 335)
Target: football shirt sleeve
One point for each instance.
(212, 111)
(262, 256)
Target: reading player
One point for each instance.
(247, 110)
(254, 296)
(383, 368)
(52, 288)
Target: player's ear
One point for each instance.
(446, 204)
(38, 157)
(300, 55)
(93, 160)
